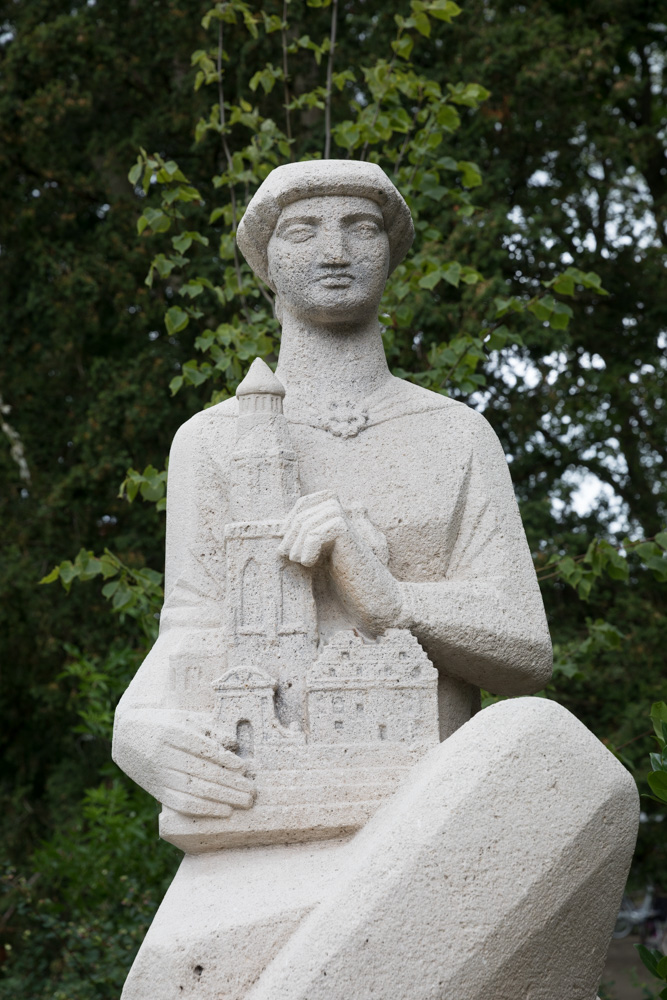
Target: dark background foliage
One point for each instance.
(571, 147)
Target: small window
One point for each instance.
(245, 739)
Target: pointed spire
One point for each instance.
(260, 379)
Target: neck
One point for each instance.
(319, 363)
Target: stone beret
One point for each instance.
(312, 179)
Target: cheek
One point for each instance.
(287, 267)
(375, 261)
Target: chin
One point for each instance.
(343, 318)
(343, 310)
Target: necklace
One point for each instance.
(343, 418)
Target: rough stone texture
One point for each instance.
(504, 883)
(338, 178)
(495, 871)
(345, 567)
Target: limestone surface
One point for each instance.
(345, 569)
(495, 870)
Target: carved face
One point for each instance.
(329, 259)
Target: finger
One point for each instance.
(308, 520)
(186, 763)
(295, 522)
(213, 773)
(301, 508)
(189, 805)
(319, 540)
(307, 529)
(310, 543)
(205, 747)
(311, 500)
(177, 781)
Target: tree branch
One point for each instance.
(330, 61)
(230, 166)
(286, 94)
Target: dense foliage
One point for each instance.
(521, 195)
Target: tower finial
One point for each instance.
(260, 379)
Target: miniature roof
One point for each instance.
(260, 378)
(242, 678)
(293, 181)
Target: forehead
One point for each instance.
(330, 207)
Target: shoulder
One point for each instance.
(454, 428)
(215, 421)
(411, 398)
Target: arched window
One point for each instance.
(253, 604)
(245, 739)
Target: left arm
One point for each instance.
(484, 623)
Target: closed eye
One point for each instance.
(298, 233)
(365, 227)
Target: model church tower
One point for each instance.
(265, 471)
(270, 610)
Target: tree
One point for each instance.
(70, 137)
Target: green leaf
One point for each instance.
(649, 958)
(661, 539)
(109, 589)
(471, 176)
(563, 283)
(658, 566)
(135, 173)
(658, 717)
(539, 309)
(646, 550)
(403, 46)
(561, 316)
(422, 24)
(452, 273)
(176, 319)
(340, 79)
(431, 279)
(468, 94)
(443, 10)
(657, 781)
(52, 576)
(448, 119)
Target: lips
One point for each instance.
(332, 279)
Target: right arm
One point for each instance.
(164, 729)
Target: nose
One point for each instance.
(334, 251)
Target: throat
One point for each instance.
(319, 366)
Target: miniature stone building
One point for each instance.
(247, 711)
(360, 692)
(356, 692)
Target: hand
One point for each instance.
(177, 758)
(318, 528)
(312, 527)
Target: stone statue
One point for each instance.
(345, 568)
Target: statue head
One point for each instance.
(324, 236)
